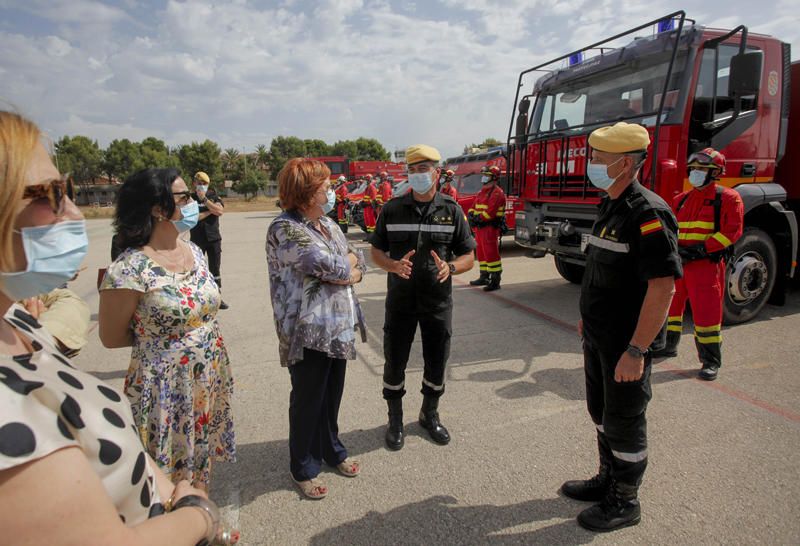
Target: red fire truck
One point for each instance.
(692, 87)
(342, 165)
(468, 176)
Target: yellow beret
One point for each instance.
(620, 138)
(200, 175)
(421, 152)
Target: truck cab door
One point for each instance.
(725, 106)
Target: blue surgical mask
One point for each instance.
(327, 206)
(202, 189)
(54, 253)
(420, 182)
(598, 174)
(697, 178)
(485, 179)
(190, 213)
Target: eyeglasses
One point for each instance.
(182, 197)
(54, 191)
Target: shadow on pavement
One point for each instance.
(439, 520)
(264, 467)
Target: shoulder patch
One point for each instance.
(651, 226)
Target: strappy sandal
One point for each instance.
(313, 489)
(349, 467)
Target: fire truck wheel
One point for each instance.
(750, 276)
(570, 271)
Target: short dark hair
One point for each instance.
(141, 191)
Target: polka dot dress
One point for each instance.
(46, 405)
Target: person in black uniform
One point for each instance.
(206, 233)
(631, 266)
(421, 239)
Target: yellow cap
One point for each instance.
(422, 152)
(620, 138)
(201, 176)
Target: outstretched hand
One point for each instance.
(442, 267)
(402, 267)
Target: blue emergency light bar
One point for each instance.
(665, 25)
(576, 58)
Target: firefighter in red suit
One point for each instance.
(487, 216)
(369, 202)
(710, 219)
(384, 190)
(341, 203)
(447, 187)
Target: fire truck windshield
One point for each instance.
(627, 91)
(469, 184)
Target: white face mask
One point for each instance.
(420, 182)
(697, 178)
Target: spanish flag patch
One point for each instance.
(653, 226)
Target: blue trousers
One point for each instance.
(317, 386)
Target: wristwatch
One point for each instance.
(636, 352)
(452, 268)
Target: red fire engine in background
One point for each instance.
(467, 179)
(352, 170)
(692, 87)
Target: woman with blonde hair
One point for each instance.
(72, 468)
(311, 273)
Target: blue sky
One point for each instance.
(240, 72)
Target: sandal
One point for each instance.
(349, 467)
(313, 488)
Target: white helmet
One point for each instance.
(342, 179)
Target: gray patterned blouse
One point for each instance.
(310, 310)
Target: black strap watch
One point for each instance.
(452, 268)
(636, 352)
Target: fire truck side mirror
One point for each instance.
(745, 75)
(522, 116)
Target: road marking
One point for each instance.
(730, 391)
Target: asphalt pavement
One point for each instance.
(724, 465)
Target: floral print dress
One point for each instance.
(179, 381)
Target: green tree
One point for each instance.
(230, 159)
(361, 149)
(154, 153)
(316, 147)
(79, 156)
(262, 156)
(251, 184)
(487, 143)
(201, 156)
(370, 149)
(121, 159)
(283, 149)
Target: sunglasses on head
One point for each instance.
(54, 191)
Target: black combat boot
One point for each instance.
(483, 280)
(429, 420)
(394, 432)
(593, 489)
(494, 283)
(709, 372)
(620, 508)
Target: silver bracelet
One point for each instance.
(208, 506)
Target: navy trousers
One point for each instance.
(317, 386)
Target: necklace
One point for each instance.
(180, 263)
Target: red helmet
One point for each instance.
(369, 177)
(449, 174)
(493, 171)
(707, 158)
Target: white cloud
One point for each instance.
(240, 73)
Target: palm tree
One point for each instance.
(229, 160)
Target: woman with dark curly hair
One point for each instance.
(160, 298)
